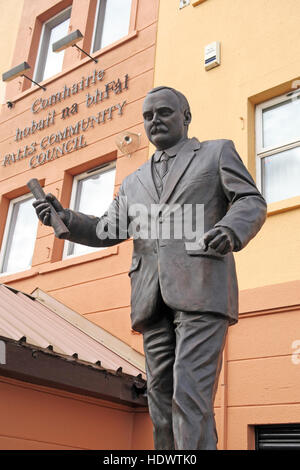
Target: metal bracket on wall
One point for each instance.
(184, 3)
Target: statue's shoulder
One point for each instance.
(215, 148)
(131, 178)
(216, 143)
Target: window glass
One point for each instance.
(50, 63)
(281, 123)
(21, 235)
(94, 193)
(278, 147)
(281, 175)
(112, 23)
(54, 61)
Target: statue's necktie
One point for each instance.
(163, 167)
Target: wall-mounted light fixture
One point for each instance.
(18, 71)
(70, 41)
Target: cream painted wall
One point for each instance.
(9, 25)
(260, 59)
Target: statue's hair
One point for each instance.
(182, 99)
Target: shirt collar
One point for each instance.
(171, 152)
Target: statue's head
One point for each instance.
(167, 116)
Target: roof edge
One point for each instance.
(44, 367)
(91, 329)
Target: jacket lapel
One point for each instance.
(182, 161)
(144, 174)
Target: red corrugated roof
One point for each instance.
(22, 315)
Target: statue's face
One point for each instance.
(163, 119)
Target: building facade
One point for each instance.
(65, 136)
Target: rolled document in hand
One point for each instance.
(60, 230)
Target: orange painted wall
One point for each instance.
(88, 283)
(259, 383)
(9, 25)
(40, 418)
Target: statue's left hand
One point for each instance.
(220, 239)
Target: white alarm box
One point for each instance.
(212, 55)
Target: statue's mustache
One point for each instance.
(160, 128)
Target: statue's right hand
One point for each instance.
(43, 209)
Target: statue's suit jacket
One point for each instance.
(209, 173)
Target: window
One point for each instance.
(277, 437)
(91, 194)
(19, 236)
(112, 22)
(278, 147)
(50, 63)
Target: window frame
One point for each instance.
(132, 17)
(261, 151)
(99, 169)
(47, 26)
(7, 231)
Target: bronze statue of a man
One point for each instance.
(183, 296)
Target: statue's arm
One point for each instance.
(247, 207)
(107, 230)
